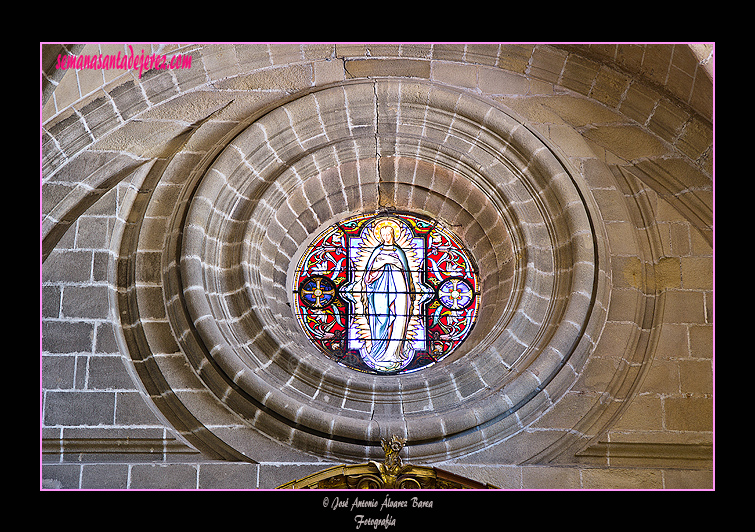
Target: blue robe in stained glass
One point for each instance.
(388, 297)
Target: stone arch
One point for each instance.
(227, 303)
(221, 185)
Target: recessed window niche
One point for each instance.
(381, 257)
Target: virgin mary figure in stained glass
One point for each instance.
(386, 293)
(388, 299)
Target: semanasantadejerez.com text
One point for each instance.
(122, 61)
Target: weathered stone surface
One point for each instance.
(579, 176)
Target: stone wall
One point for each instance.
(174, 204)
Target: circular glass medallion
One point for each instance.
(455, 294)
(386, 293)
(317, 292)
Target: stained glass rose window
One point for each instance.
(386, 293)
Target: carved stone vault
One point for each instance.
(580, 185)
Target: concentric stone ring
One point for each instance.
(380, 145)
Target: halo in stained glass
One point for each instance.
(386, 293)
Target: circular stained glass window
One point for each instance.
(386, 293)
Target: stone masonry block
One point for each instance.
(361, 117)
(188, 78)
(99, 114)
(696, 138)
(106, 342)
(639, 102)
(51, 301)
(228, 476)
(684, 307)
(92, 232)
(131, 409)
(253, 56)
(622, 478)
(448, 52)
(689, 413)
(497, 81)
(61, 476)
(104, 476)
(363, 68)
(609, 86)
(70, 132)
(58, 372)
(317, 51)
(515, 57)
(455, 74)
(579, 74)
(627, 142)
(662, 377)
(547, 63)
(672, 343)
(702, 98)
(290, 78)
(701, 341)
(147, 139)
(696, 376)
(286, 53)
(164, 476)
(329, 71)
(697, 273)
(108, 373)
(220, 61)
(67, 336)
(79, 408)
(189, 108)
(481, 53)
(85, 302)
(667, 120)
(550, 478)
(158, 85)
(656, 62)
